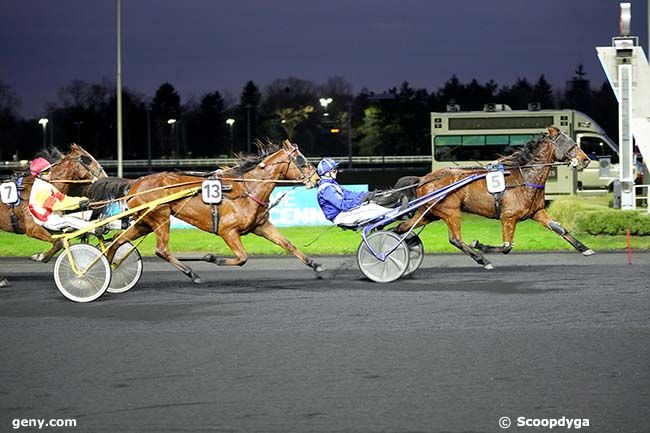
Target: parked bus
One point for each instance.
(479, 137)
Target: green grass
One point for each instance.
(529, 236)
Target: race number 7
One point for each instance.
(495, 181)
(211, 191)
(8, 193)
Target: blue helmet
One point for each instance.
(326, 165)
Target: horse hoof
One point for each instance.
(588, 253)
(319, 268)
(473, 244)
(197, 280)
(208, 258)
(489, 266)
(37, 257)
(4, 283)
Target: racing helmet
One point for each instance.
(326, 165)
(39, 165)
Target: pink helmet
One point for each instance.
(39, 165)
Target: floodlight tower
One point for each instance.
(627, 70)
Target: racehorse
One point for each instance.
(68, 169)
(523, 197)
(244, 209)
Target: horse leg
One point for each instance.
(507, 234)
(270, 232)
(233, 240)
(414, 222)
(35, 231)
(134, 232)
(455, 238)
(162, 250)
(544, 219)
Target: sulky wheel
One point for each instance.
(86, 286)
(392, 267)
(126, 268)
(416, 253)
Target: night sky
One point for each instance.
(208, 45)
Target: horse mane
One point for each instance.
(523, 155)
(52, 154)
(108, 188)
(247, 162)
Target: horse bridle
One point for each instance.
(85, 162)
(562, 145)
(305, 177)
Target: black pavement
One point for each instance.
(270, 348)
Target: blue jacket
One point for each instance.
(333, 199)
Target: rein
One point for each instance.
(196, 182)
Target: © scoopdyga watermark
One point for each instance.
(549, 423)
(42, 423)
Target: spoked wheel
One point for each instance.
(392, 267)
(126, 269)
(85, 287)
(416, 253)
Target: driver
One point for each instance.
(46, 203)
(340, 205)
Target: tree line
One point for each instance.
(393, 122)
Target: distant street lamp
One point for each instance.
(43, 122)
(324, 102)
(172, 123)
(230, 122)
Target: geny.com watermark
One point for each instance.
(42, 423)
(549, 423)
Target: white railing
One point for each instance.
(217, 162)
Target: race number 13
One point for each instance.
(9, 193)
(496, 182)
(211, 191)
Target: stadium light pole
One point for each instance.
(324, 102)
(43, 122)
(149, 138)
(172, 123)
(230, 122)
(349, 105)
(119, 89)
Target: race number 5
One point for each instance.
(9, 193)
(211, 191)
(496, 182)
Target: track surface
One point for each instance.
(270, 348)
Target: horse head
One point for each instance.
(566, 149)
(77, 165)
(299, 168)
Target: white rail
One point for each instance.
(217, 162)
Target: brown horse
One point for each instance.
(244, 209)
(523, 197)
(76, 165)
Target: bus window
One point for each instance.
(520, 139)
(473, 140)
(476, 147)
(596, 148)
(448, 140)
(497, 139)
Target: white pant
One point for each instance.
(360, 214)
(77, 220)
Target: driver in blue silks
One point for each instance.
(341, 206)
